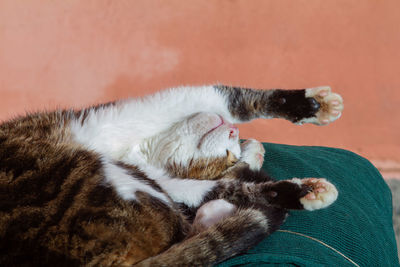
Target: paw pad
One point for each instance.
(331, 105)
(321, 194)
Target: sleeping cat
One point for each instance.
(156, 181)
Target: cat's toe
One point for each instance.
(322, 194)
(330, 105)
(253, 153)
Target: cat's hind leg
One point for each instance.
(224, 239)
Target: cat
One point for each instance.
(156, 181)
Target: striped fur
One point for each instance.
(121, 183)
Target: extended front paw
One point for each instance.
(252, 153)
(321, 193)
(331, 105)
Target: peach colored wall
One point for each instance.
(56, 53)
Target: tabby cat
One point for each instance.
(156, 181)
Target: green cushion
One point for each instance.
(356, 230)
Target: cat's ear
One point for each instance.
(230, 158)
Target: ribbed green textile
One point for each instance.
(358, 224)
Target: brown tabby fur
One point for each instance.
(53, 200)
(55, 189)
(51, 195)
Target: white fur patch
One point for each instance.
(112, 130)
(187, 191)
(214, 211)
(126, 185)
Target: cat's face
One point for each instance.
(210, 135)
(201, 146)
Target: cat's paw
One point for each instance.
(252, 153)
(321, 193)
(331, 105)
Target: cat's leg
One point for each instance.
(231, 236)
(252, 187)
(308, 193)
(316, 105)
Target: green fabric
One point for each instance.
(358, 224)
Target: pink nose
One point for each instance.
(234, 131)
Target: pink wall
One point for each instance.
(76, 53)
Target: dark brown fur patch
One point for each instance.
(292, 105)
(257, 187)
(247, 104)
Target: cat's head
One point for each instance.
(201, 146)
